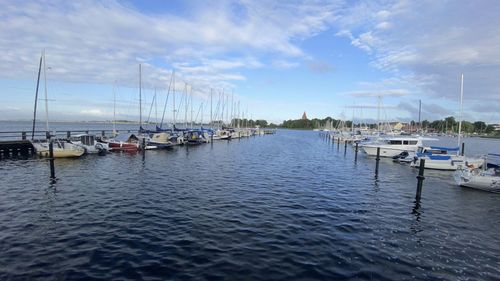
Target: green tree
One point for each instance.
(479, 126)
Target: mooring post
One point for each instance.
(23, 135)
(377, 160)
(338, 143)
(345, 147)
(51, 160)
(143, 144)
(463, 148)
(103, 133)
(420, 179)
(47, 135)
(356, 153)
(68, 134)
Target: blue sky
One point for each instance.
(278, 58)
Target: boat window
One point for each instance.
(413, 142)
(405, 142)
(395, 142)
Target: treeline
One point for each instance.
(328, 123)
(447, 125)
(252, 123)
(450, 125)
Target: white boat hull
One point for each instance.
(67, 151)
(388, 150)
(452, 164)
(474, 178)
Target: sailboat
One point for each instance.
(60, 149)
(487, 178)
(129, 142)
(438, 158)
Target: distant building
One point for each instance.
(304, 116)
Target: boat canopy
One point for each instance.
(433, 157)
(126, 137)
(445, 148)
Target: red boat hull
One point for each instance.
(123, 146)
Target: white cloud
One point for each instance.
(96, 41)
(375, 93)
(435, 47)
(283, 64)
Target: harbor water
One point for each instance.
(290, 206)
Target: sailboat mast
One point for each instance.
(173, 97)
(186, 105)
(227, 108)
(419, 113)
(166, 103)
(36, 98)
(232, 108)
(191, 104)
(140, 97)
(211, 116)
(114, 109)
(378, 114)
(46, 97)
(156, 108)
(461, 109)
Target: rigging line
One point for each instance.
(197, 114)
(151, 107)
(166, 101)
(36, 98)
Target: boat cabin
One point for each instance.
(84, 139)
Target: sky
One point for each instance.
(275, 59)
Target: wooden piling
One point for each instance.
(420, 179)
(51, 160)
(463, 149)
(338, 144)
(377, 159)
(345, 147)
(23, 135)
(68, 134)
(356, 153)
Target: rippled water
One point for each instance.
(283, 207)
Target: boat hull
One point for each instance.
(452, 164)
(69, 151)
(123, 146)
(476, 179)
(387, 151)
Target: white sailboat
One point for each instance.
(439, 159)
(60, 149)
(487, 178)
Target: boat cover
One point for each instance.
(445, 148)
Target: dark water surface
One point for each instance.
(282, 207)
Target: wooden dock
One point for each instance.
(16, 148)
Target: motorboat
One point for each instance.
(89, 143)
(392, 146)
